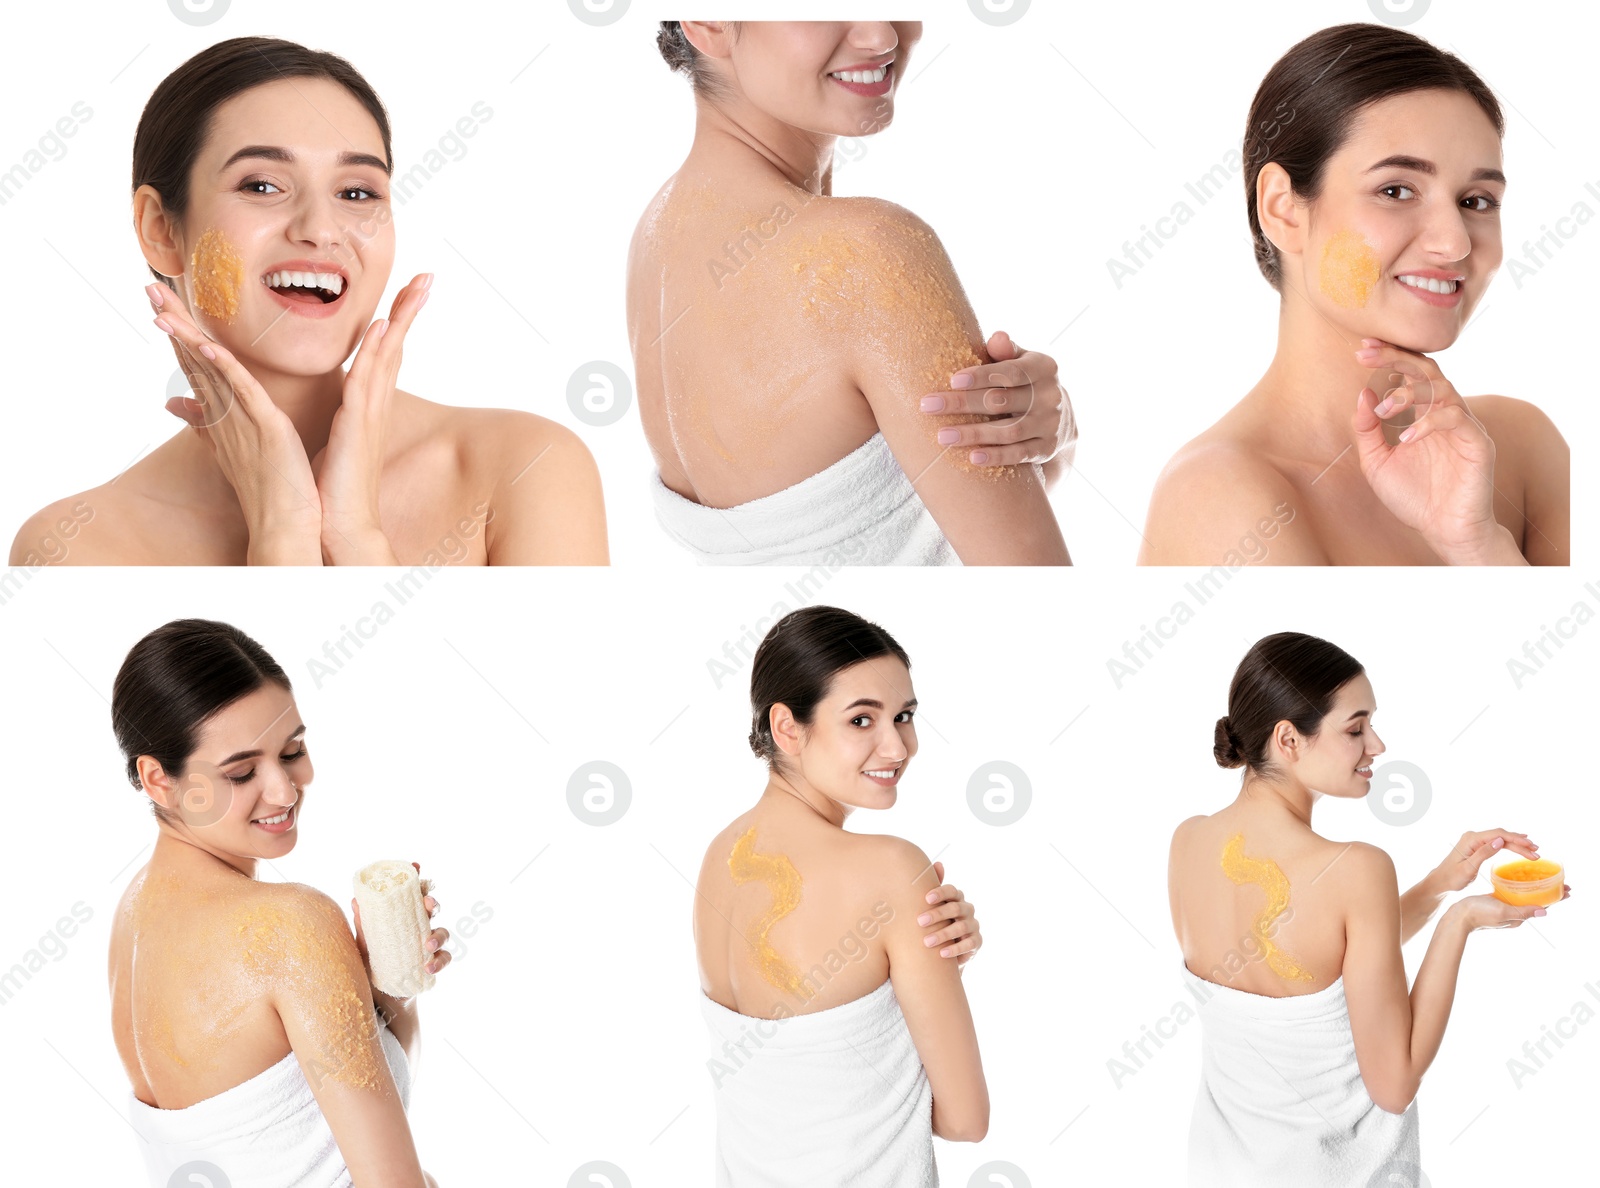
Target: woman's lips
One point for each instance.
(1439, 300)
(306, 303)
(890, 782)
(869, 89)
(283, 826)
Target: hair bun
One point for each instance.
(1225, 744)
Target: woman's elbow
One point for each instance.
(1394, 1095)
(967, 1126)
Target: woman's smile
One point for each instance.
(281, 822)
(310, 288)
(865, 79)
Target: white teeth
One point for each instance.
(278, 820)
(882, 775)
(862, 76)
(1433, 286)
(330, 281)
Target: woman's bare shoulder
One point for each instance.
(73, 531)
(501, 437)
(1216, 500)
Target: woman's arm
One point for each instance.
(889, 295)
(933, 1001)
(547, 507)
(1397, 1034)
(325, 1002)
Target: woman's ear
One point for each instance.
(1281, 216)
(714, 39)
(155, 783)
(785, 730)
(159, 236)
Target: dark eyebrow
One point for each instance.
(256, 754)
(1401, 161)
(876, 704)
(268, 152)
(1358, 714)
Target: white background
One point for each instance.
(1034, 150)
(570, 1031)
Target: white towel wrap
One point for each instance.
(862, 510)
(827, 1100)
(395, 925)
(267, 1132)
(1281, 1098)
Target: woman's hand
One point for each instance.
(255, 444)
(951, 917)
(1485, 911)
(1022, 384)
(1458, 871)
(1439, 479)
(349, 468)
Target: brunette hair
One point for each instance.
(1287, 676)
(1305, 107)
(175, 679)
(799, 658)
(177, 118)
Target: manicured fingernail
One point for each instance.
(1409, 434)
(945, 952)
(960, 381)
(1540, 912)
(979, 457)
(428, 284)
(932, 404)
(383, 327)
(1385, 406)
(1366, 353)
(925, 918)
(929, 941)
(1497, 843)
(949, 436)
(933, 897)
(154, 293)
(208, 352)
(162, 322)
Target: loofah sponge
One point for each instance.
(396, 926)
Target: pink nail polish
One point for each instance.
(979, 457)
(949, 436)
(932, 404)
(958, 382)
(208, 352)
(1409, 434)
(162, 324)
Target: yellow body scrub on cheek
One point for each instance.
(217, 274)
(1533, 882)
(1269, 876)
(1350, 270)
(781, 878)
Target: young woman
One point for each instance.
(1313, 1048)
(243, 1010)
(1373, 183)
(261, 202)
(841, 1042)
(791, 348)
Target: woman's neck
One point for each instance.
(731, 136)
(796, 791)
(1307, 397)
(176, 852)
(1278, 797)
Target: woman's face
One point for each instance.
(1412, 197)
(1338, 760)
(791, 71)
(291, 179)
(861, 737)
(241, 790)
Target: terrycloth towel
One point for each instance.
(828, 1100)
(267, 1132)
(1281, 1099)
(862, 510)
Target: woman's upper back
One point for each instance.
(196, 964)
(791, 914)
(1257, 904)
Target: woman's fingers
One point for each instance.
(953, 909)
(385, 337)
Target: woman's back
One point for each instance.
(1256, 902)
(791, 913)
(744, 376)
(192, 959)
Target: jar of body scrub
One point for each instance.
(1527, 882)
